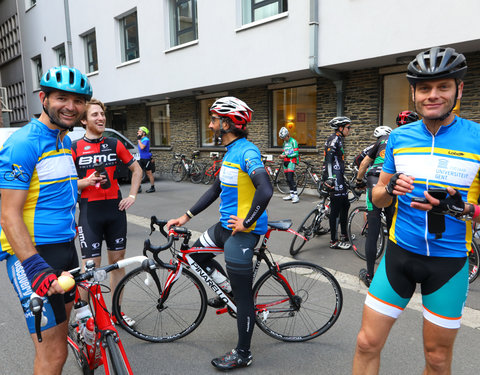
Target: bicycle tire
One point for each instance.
(473, 262)
(178, 171)
(357, 231)
(310, 227)
(79, 355)
(317, 303)
(179, 315)
(116, 363)
(196, 173)
(208, 175)
(301, 181)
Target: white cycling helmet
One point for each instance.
(382, 130)
(283, 133)
(233, 108)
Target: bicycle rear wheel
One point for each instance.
(178, 172)
(311, 226)
(357, 230)
(157, 319)
(314, 308)
(197, 172)
(116, 364)
(301, 181)
(473, 262)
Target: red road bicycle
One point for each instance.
(294, 301)
(213, 170)
(104, 347)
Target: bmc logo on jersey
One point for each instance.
(90, 159)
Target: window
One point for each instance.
(160, 124)
(61, 56)
(396, 97)
(183, 21)
(255, 10)
(295, 108)
(29, 4)
(37, 71)
(9, 40)
(90, 41)
(207, 138)
(129, 37)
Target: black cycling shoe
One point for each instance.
(232, 360)
(151, 190)
(216, 302)
(365, 277)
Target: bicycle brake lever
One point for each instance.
(36, 307)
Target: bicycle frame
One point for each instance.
(184, 259)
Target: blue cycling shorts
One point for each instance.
(443, 281)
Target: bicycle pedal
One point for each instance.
(221, 311)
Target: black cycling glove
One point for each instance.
(452, 205)
(391, 184)
(330, 183)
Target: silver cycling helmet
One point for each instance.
(382, 130)
(283, 133)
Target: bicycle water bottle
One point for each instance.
(100, 171)
(315, 177)
(82, 312)
(89, 332)
(220, 279)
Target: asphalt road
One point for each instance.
(330, 353)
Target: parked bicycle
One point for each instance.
(277, 175)
(306, 175)
(92, 336)
(187, 168)
(294, 301)
(213, 170)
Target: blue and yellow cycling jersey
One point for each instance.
(240, 160)
(29, 161)
(449, 158)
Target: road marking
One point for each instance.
(470, 318)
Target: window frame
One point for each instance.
(176, 33)
(58, 53)
(37, 71)
(253, 6)
(167, 125)
(124, 29)
(91, 59)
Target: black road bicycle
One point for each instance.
(294, 301)
(183, 168)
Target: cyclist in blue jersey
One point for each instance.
(436, 159)
(38, 184)
(244, 189)
(146, 161)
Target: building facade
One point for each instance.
(161, 64)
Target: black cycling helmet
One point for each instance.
(338, 122)
(406, 117)
(436, 63)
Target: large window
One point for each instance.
(129, 37)
(396, 97)
(255, 10)
(183, 21)
(160, 124)
(61, 56)
(206, 135)
(90, 41)
(295, 108)
(37, 71)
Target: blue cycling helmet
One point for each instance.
(67, 79)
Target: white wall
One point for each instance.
(352, 30)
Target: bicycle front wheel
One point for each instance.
(473, 262)
(115, 362)
(178, 172)
(312, 310)
(159, 317)
(357, 229)
(301, 181)
(310, 227)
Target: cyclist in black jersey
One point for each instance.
(244, 189)
(437, 160)
(334, 180)
(371, 166)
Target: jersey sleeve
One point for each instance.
(18, 159)
(124, 155)
(389, 163)
(252, 161)
(372, 152)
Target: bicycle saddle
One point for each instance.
(280, 224)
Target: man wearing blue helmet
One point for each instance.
(38, 183)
